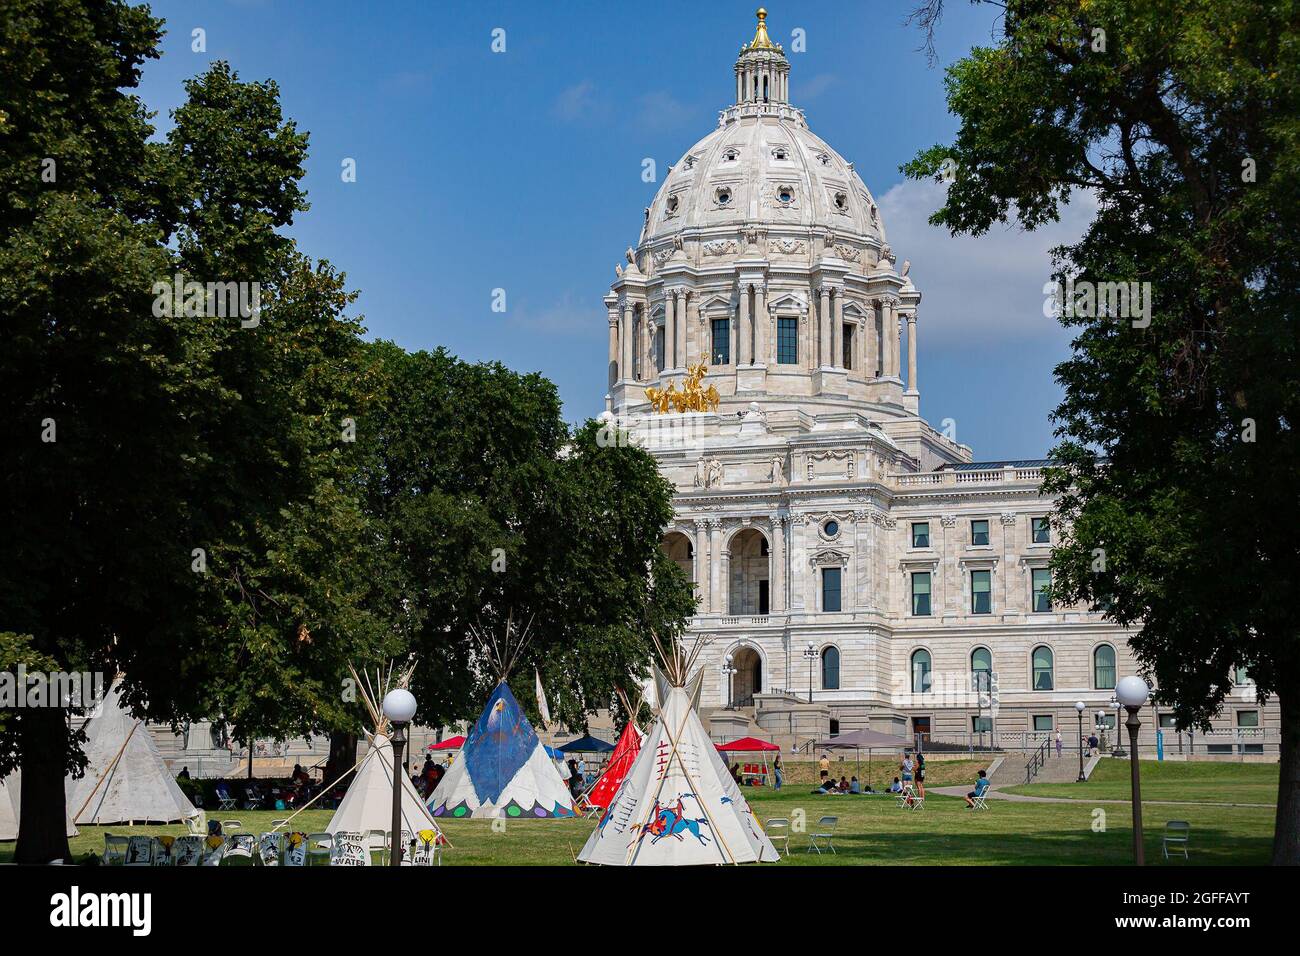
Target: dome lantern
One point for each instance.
(762, 71)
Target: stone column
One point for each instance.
(625, 342)
(702, 564)
(824, 329)
(837, 348)
(613, 344)
(746, 351)
(716, 604)
(911, 352)
(683, 328)
(760, 327)
(777, 595)
(888, 343)
(869, 356)
(647, 344)
(724, 598)
(670, 328)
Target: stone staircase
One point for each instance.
(1063, 769)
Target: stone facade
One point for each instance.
(835, 537)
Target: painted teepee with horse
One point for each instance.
(678, 805)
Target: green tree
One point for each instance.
(490, 507)
(178, 486)
(1178, 453)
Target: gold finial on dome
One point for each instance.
(761, 40)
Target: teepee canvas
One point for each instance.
(126, 778)
(368, 804)
(620, 762)
(11, 804)
(503, 771)
(678, 805)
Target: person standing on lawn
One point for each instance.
(777, 776)
(1058, 743)
(825, 764)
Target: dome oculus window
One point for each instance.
(780, 154)
(723, 196)
(785, 195)
(730, 155)
(831, 528)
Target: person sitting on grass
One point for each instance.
(895, 787)
(855, 786)
(981, 785)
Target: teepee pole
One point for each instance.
(324, 790)
(108, 771)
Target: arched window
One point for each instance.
(920, 671)
(1043, 668)
(1103, 667)
(831, 668)
(981, 665)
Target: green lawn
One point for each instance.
(872, 831)
(1202, 782)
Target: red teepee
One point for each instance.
(620, 762)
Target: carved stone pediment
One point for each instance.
(829, 558)
(831, 465)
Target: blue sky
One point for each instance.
(522, 170)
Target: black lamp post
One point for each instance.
(399, 707)
(1133, 692)
(728, 672)
(1079, 708)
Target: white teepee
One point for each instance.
(678, 805)
(10, 805)
(126, 778)
(503, 770)
(368, 803)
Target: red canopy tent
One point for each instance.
(620, 762)
(751, 745)
(451, 743)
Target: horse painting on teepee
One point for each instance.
(678, 805)
(503, 771)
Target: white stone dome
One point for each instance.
(763, 166)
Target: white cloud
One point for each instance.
(660, 110)
(976, 287)
(578, 102)
(811, 88)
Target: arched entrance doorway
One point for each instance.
(680, 551)
(748, 592)
(748, 679)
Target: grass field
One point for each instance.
(1203, 782)
(872, 831)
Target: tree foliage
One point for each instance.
(1178, 452)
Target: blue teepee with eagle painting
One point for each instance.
(503, 770)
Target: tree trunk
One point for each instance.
(343, 755)
(43, 813)
(1286, 829)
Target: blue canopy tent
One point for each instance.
(586, 745)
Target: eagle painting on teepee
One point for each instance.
(678, 805)
(503, 771)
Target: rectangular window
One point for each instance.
(921, 593)
(1247, 718)
(1168, 722)
(721, 342)
(981, 725)
(981, 592)
(1108, 721)
(848, 346)
(979, 532)
(1219, 749)
(659, 348)
(920, 534)
(1040, 532)
(1042, 721)
(830, 589)
(1042, 582)
(1252, 748)
(787, 341)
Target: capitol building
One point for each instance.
(854, 566)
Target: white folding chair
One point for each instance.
(295, 849)
(224, 800)
(1177, 834)
(778, 830)
(240, 850)
(187, 850)
(978, 800)
(270, 847)
(164, 851)
(377, 848)
(229, 826)
(214, 848)
(114, 850)
(825, 831)
(427, 849)
(197, 825)
(320, 847)
(139, 851)
(349, 849)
